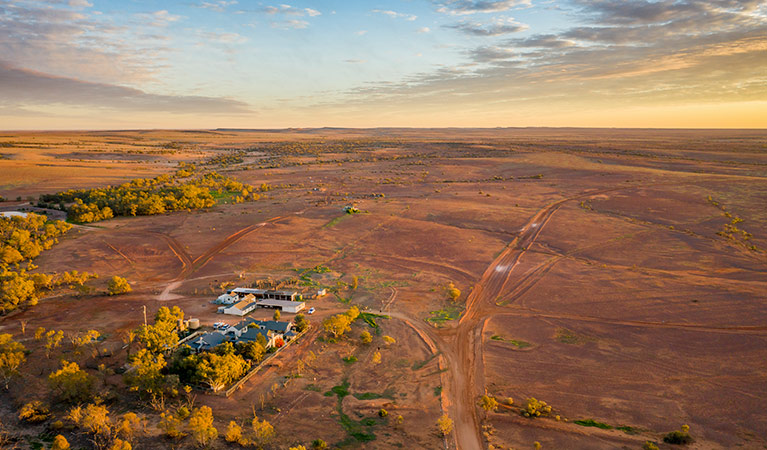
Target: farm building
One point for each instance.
(265, 294)
(240, 308)
(246, 330)
(283, 305)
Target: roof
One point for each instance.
(252, 335)
(208, 340)
(272, 325)
(282, 303)
(247, 291)
(9, 214)
(243, 304)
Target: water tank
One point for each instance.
(194, 324)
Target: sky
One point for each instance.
(93, 64)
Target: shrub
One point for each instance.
(60, 443)
(535, 408)
(34, 412)
(118, 285)
(382, 413)
(366, 337)
(649, 445)
(679, 437)
(445, 425)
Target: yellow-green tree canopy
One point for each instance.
(12, 356)
(118, 285)
(70, 383)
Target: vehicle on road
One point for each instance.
(311, 310)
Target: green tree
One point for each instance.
(300, 322)
(118, 285)
(366, 337)
(276, 315)
(159, 337)
(170, 425)
(12, 356)
(52, 341)
(145, 374)
(217, 371)
(70, 383)
(201, 426)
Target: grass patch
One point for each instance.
(448, 313)
(628, 430)
(566, 336)
(514, 342)
(313, 387)
(419, 364)
(341, 391)
(350, 359)
(370, 319)
(438, 391)
(336, 221)
(389, 393)
(593, 423)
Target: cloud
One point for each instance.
(356, 61)
(395, 14)
(291, 11)
(291, 24)
(52, 37)
(463, 7)
(424, 30)
(218, 6)
(21, 88)
(497, 27)
(80, 3)
(161, 18)
(361, 32)
(223, 38)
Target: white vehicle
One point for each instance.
(311, 310)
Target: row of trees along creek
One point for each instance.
(21, 240)
(186, 189)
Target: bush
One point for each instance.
(536, 408)
(648, 445)
(118, 285)
(34, 412)
(679, 437)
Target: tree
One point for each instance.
(158, 337)
(145, 374)
(355, 282)
(94, 419)
(118, 285)
(388, 340)
(170, 425)
(376, 357)
(60, 443)
(52, 341)
(300, 322)
(263, 432)
(366, 337)
(129, 424)
(649, 445)
(353, 313)
(70, 383)
(251, 350)
(234, 433)
(171, 315)
(488, 403)
(119, 444)
(217, 371)
(276, 315)
(12, 356)
(297, 447)
(445, 425)
(201, 426)
(337, 325)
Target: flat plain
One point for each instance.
(596, 270)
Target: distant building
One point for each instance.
(283, 305)
(240, 308)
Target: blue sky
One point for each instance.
(180, 64)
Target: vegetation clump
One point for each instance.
(535, 408)
(118, 285)
(150, 196)
(679, 437)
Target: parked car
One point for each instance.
(311, 310)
